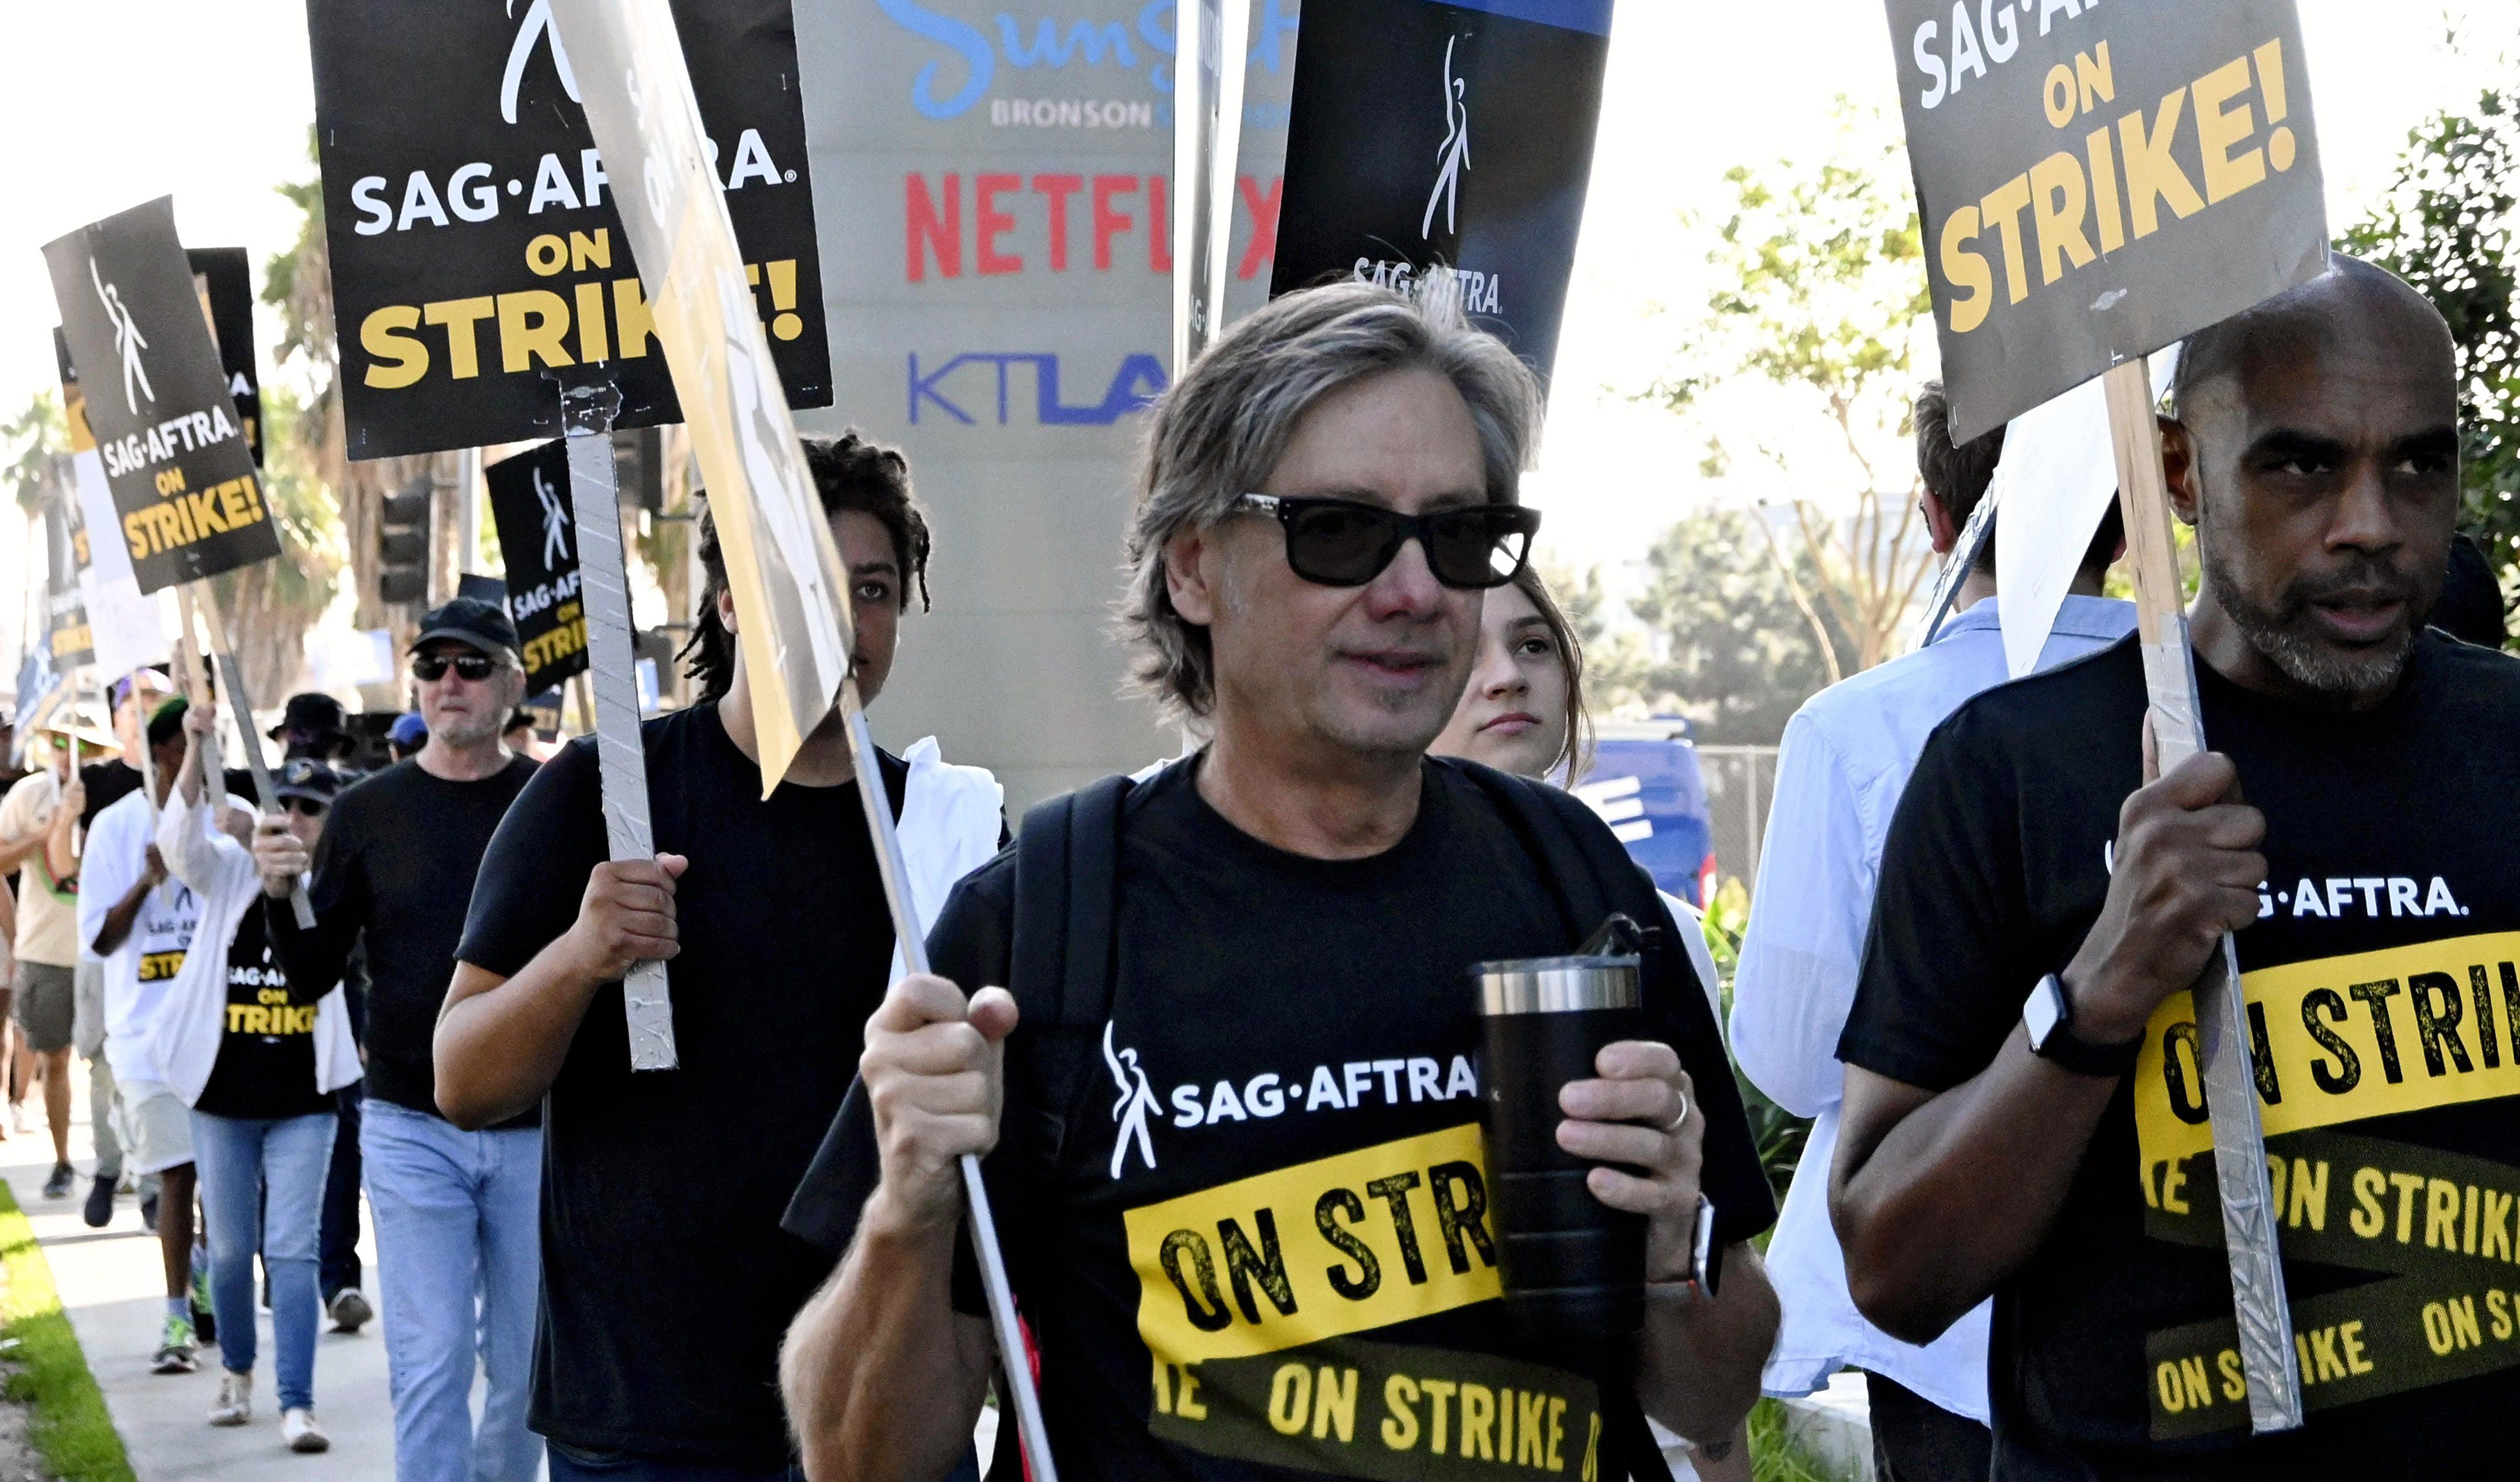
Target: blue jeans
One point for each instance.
(238, 1158)
(458, 1256)
(337, 1250)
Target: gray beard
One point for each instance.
(474, 733)
(2310, 664)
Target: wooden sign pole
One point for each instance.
(2257, 1303)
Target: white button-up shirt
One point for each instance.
(1846, 759)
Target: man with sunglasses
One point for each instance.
(454, 1209)
(1234, 1156)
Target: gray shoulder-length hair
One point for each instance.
(1220, 429)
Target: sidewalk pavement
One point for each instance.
(113, 1290)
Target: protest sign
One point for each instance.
(67, 641)
(475, 234)
(223, 279)
(125, 630)
(529, 503)
(188, 501)
(1480, 116)
(2100, 181)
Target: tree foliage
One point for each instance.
(34, 442)
(2450, 224)
(1821, 293)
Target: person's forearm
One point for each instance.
(311, 957)
(120, 916)
(61, 846)
(1962, 1189)
(499, 1042)
(1699, 1361)
(15, 851)
(882, 1379)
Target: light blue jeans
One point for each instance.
(238, 1159)
(458, 1254)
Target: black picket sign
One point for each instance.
(175, 454)
(224, 279)
(538, 539)
(473, 239)
(1481, 115)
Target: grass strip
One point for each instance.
(69, 1427)
(1774, 1455)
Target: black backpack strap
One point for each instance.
(1067, 880)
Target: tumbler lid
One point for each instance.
(1557, 984)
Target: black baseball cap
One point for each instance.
(305, 777)
(472, 622)
(166, 722)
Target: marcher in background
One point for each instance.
(406, 736)
(1325, 495)
(2046, 902)
(1846, 758)
(254, 1057)
(455, 1210)
(2471, 607)
(521, 737)
(39, 840)
(314, 725)
(682, 1382)
(1523, 713)
(140, 924)
(104, 783)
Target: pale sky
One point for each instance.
(109, 103)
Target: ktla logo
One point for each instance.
(128, 342)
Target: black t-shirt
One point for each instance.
(667, 1283)
(2381, 972)
(395, 868)
(107, 782)
(266, 1064)
(1271, 1200)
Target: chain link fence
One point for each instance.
(1740, 785)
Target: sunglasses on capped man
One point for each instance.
(1347, 543)
(476, 667)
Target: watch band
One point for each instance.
(2060, 1045)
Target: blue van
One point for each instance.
(1647, 786)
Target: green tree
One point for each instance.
(1822, 293)
(1725, 642)
(34, 442)
(2450, 224)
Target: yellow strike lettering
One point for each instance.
(2407, 1184)
(1333, 1406)
(2219, 128)
(633, 324)
(400, 356)
(235, 502)
(2058, 202)
(458, 316)
(2097, 81)
(2192, 1376)
(591, 344)
(1531, 1412)
(1164, 1389)
(594, 251)
(1557, 1458)
(2152, 176)
(1400, 1423)
(2350, 1335)
(2368, 1220)
(2498, 1310)
(2496, 1244)
(1478, 1421)
(202, 508)
(2310, 1193)
(2104, 155)
(2165, 1382)
(2234, 1387)
(1971, 280)
(1290, 1398)
(533, 325)
(1187, 1404)
(2308, 1037)
(2467, 1231)
(2003, 208)
(1504, 1424)
(2173, 1183)
(236, 1018)
(1439, 1397)
(135, 532)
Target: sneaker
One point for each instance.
(64, 1178)
(18, 1122)
(297, 1427)
(100, 1204)
(149, 1211)
(234, 1405)
(175, 1351)
(350, 1310)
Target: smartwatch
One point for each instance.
(2049, 1017)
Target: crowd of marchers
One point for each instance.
(1981, 904)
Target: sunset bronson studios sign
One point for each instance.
(474, 242)
(2099, 181)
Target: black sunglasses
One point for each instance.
(304, 806)
(431, 667)
(1347, 543)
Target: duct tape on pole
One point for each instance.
(588, 401)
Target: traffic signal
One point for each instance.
(402, 543)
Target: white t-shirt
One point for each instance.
(47, 913)
(139, 972)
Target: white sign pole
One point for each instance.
(2264, 1317)
(589, 402)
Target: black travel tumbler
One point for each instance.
(1570, 1263)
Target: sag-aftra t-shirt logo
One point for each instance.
(2339, 1041)
(1252, 1295)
